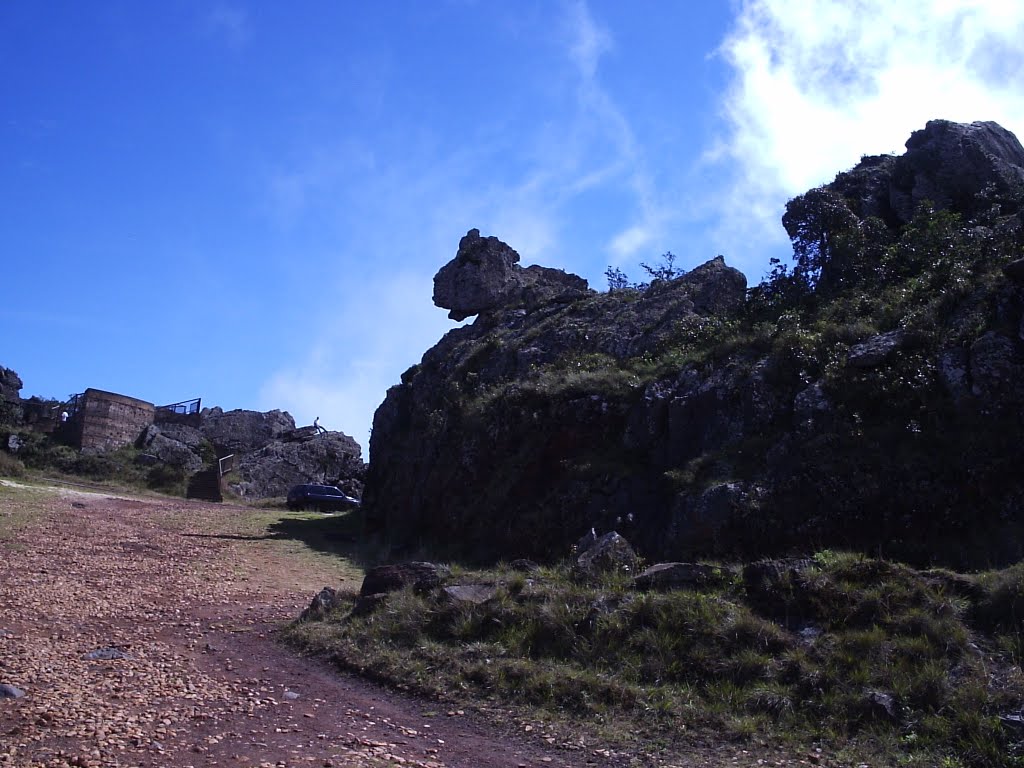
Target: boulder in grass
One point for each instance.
(609, 553)
(667, 576)
(421, 576)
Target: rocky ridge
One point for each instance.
(270, 454)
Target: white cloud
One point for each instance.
(362, 346)
(818, 83)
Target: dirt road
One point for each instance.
(142, 633)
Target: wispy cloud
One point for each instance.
(344, 375)
(818, 83)
(403, 212)
(231, 24)
(588, 42)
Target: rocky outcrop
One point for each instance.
(963, 167)
(609, 553)
(525, 398)
(270, 454)
(10, 386)
(241, 431)
(485, 276)
(11, 411)
(177, 445)
(326, 457)
(700, 426)
(420, 576)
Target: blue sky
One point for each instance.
(247, 201)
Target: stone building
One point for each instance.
(102, 421)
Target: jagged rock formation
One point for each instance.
(967, 168)
(485, 275)
(490, 430)
(10, 396)
(270, 453)
(10, 385)
(871, 398)
(176, 444)
(331, 457)
(242, 431)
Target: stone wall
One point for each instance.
(107, 421)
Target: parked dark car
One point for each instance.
(323, 498)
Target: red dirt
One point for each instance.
(194, 603)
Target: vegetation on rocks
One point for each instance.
(869, 396)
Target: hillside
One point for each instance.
(869, 396)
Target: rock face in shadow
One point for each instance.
(499, 423)
(10, 386)
(698, 421)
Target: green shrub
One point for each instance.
(10, 466)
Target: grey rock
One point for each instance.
(421, 576)
(963, 167)
(107, 654)
(611, 552)
(332, 458)
(881, 705)
(811, 407)
(10, 385)
(878, 349)
(10, 692)
(485, 275)
(323, 602)
(290, 696)
(174, 444)
(994, 366)
(668, 576)
(699, 521)
(14, 443)
(242, 431)
(950, 164)
(953, 368)
(470, 594)
(367, 604)
(1015, 270)
(585, 542)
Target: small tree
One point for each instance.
(617, 280)
(666, 270)
(826, 238)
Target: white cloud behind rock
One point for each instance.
(818, 84)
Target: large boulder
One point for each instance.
(242, 431)
(485, 275)
(421, 576)
(964, 167)
(609, 553)
(175, 444)
(302, 457)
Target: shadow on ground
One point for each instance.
(332, 534)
